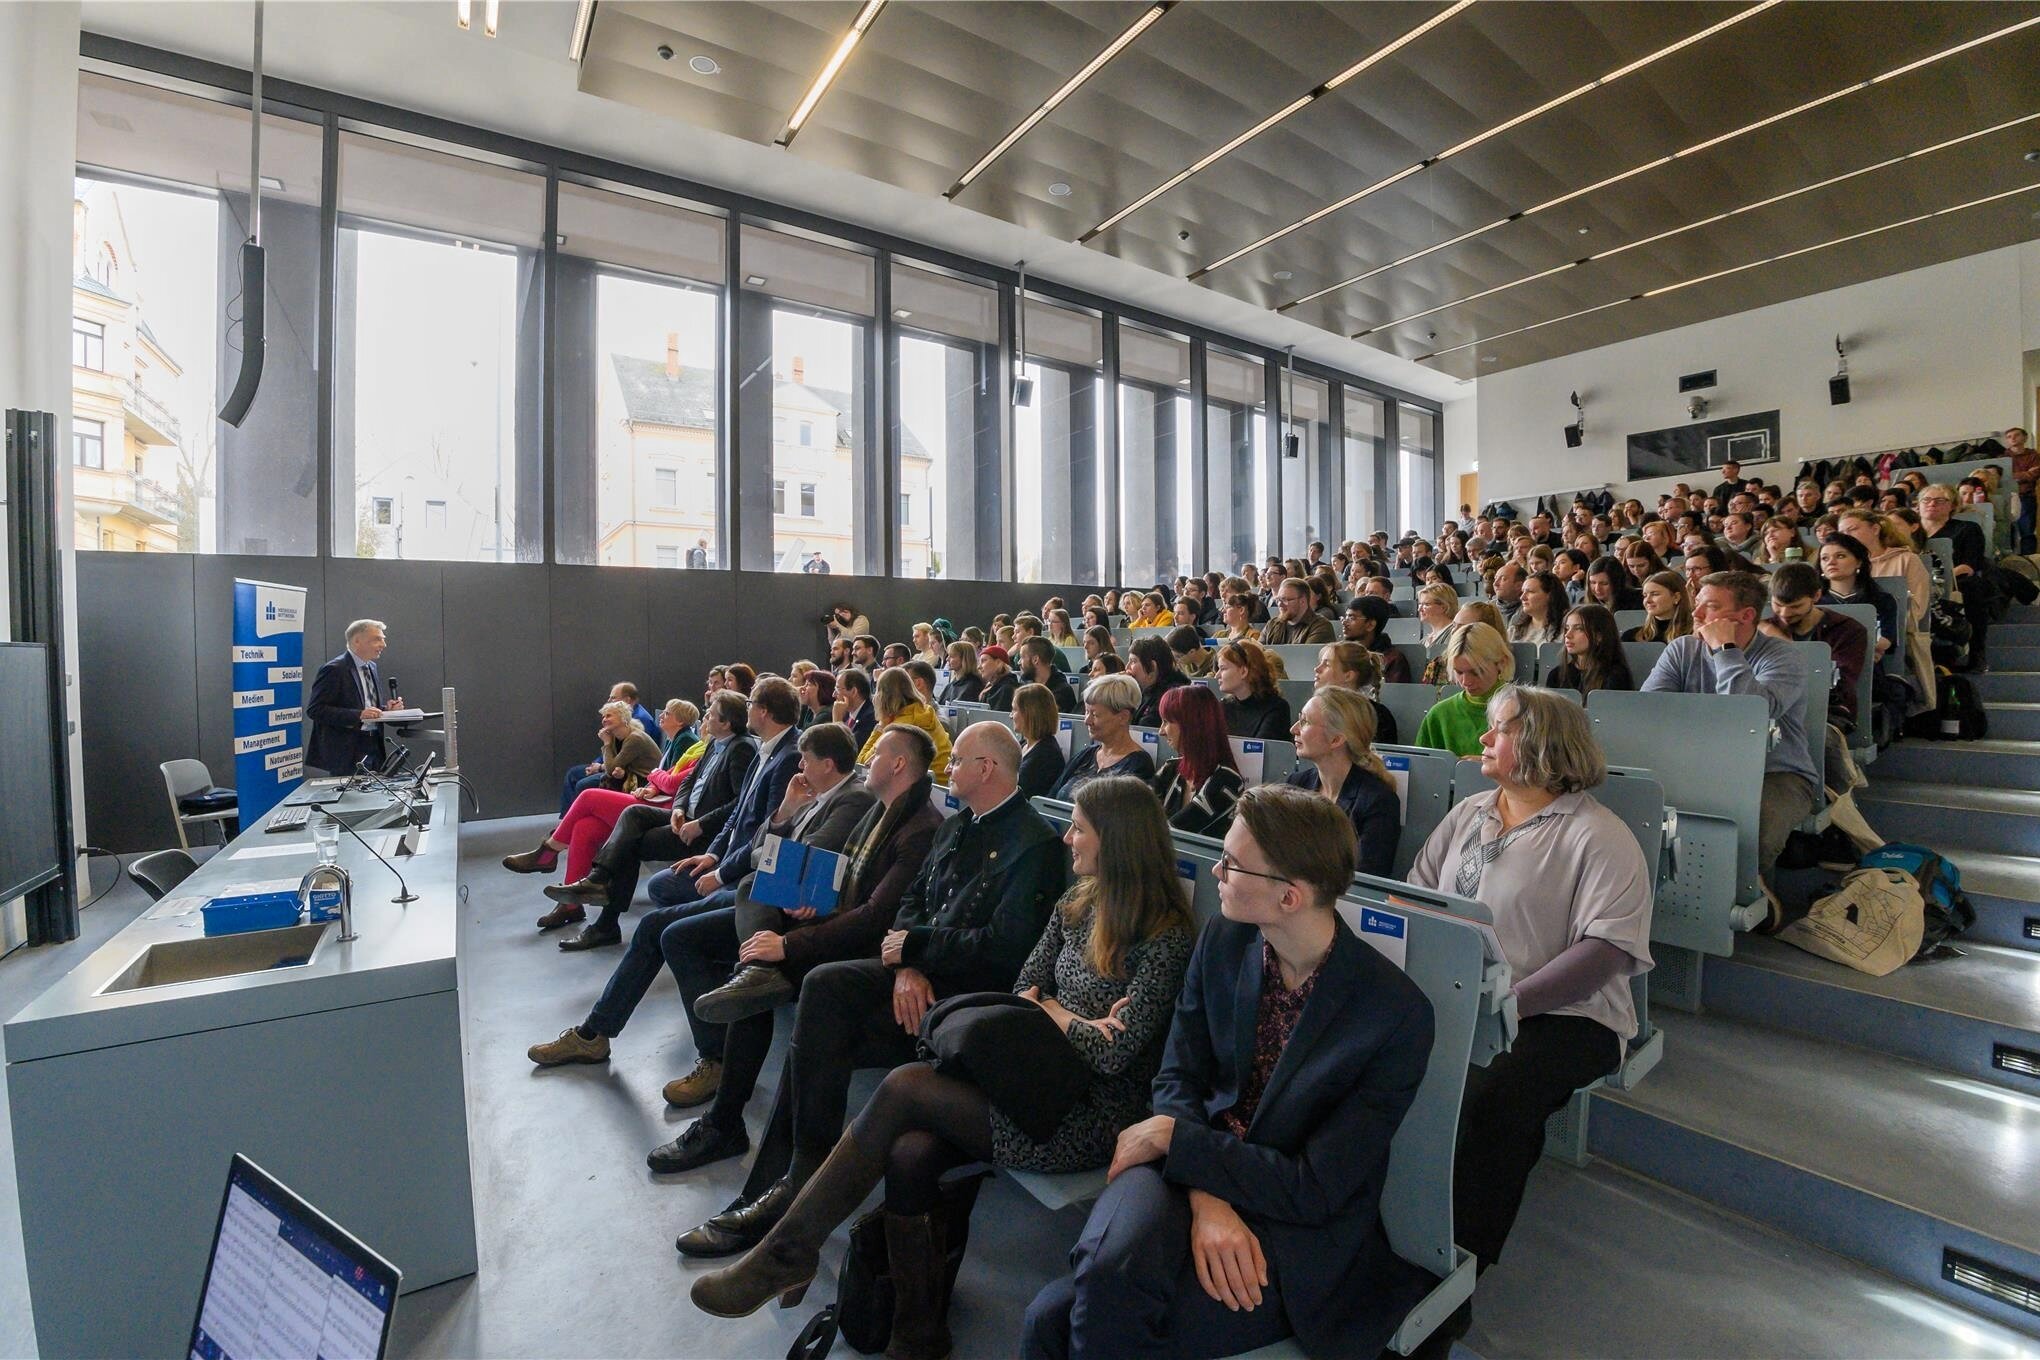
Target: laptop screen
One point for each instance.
(285, 1281)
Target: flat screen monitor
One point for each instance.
(29, 855)
(285, 1281)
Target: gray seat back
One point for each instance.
(1423, 779)
(1410, 703)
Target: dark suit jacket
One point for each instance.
(973, 916)
(999, 694)
(732, 844)
(872, 899)
(830, 830)
(719, 794)
(1373, 808)
(1308, 1176)
(862, 723)
(338, 741)
(1149, 714)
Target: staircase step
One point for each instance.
(1997, 762)
(2003, 683)
(2015, 633)
(1947, 1014)
(2011, 657)
(1868, 1156)
(1951, 819)
(2005, 890)
(2013, 721)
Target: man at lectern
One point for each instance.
(346, 704)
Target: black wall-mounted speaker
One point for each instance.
(1838, 390)
(1573, 435)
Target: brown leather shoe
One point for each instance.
(592, 937)
(582, 892)
(540, 861)
(562, 916)
(755, 989)
(698, 1087)
(570, 1047)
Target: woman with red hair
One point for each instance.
(1199, 786)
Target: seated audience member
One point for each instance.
(1610, 585)
(1237, 618)
(1351, 666)
(1296, 621)
(817, 698)
(1892, 553)
(1973, 572)
(1798, 617)
(927, 645)
(1109, 705)
(897, 701)
(821, 806)
(964, 684)
(1435, 607)
(1367, 624)
(1105, 663)
(1041, 664)
(1097, 616)
(966, 924)
(1098, 642)
(1107, 971)
(1779, 543)
(1846, 579)
(1154, 611)
(592, 818)
(895, 654)
(1253, 706)
(1571, 897)
(696, 881)
(1380, 587)
(1036, 719)
(864, 652)
(1335, 758)
(923, 677)
(1193, 658)
(740, 677)
(852, 706)
(1508, 591)
(1593, 654)
(1028, 626)
(1667, 609)
(1728, 655)
(1200, 783)
(1543, 610)
(1245, 1209)
(614, 739)
(1060, 633)
(1196, 602)
(1153, 667)
(995, 670)
(1480, 662)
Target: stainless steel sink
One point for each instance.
(218, 956)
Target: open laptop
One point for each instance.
(285, 1281)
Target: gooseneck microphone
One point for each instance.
(404, 893)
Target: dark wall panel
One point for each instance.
(214, 579)
(138, 692)
(691, 624)
(500, 661)
(779, 615)
(599, 636)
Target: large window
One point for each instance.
(88, 443)
(1418, 468)
(439, 335)
(1058, 482)
(1154, 456)
(1306, 427)
(945, 360)
(160, 212)
(1235, 422)
(1365, 419)
(814, 301)
(638, 377)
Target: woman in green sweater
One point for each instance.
(1481, 663)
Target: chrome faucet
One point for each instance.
(335, 875)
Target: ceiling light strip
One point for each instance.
(1069, 87)
(1475, 140)
(801, 112)
(1220, 153)
(1649, 165)
(1667, 234)
(1738, 269)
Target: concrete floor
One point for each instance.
(576, 1234)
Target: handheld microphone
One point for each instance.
(404, 893)
(391, 681)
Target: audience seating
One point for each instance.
(1410, 702)
(158, 873)
(1400, 629)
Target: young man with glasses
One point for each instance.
(1247, 1208)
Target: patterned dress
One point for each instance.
(1125, 1063)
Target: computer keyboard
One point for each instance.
(288, 819)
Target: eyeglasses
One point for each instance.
(1227, 866)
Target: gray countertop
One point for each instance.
(401, 950)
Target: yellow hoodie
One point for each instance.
(921, 716)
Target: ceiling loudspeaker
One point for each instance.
(1574, 434)
(1838, 386)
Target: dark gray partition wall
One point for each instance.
(531, 649)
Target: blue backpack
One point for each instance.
(1948, 911)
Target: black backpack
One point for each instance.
(1958, 716)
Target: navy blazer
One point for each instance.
(767, 787)
(338, 741)
(1374, 808)
(1308, 1176)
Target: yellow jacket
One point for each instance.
(923, 717)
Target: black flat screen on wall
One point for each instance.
(28, 826)
(1704, 446)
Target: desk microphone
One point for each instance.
(404, 893)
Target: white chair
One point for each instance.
(194, 798)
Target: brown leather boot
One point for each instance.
(919, 1264)
(784, 1264)
(540, 861)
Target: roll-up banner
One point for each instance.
(269, 688)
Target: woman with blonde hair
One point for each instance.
(1481, 663)
(1351, 665)
(1059, 628)
(928, 644)
(1336, 759)
(897, 701)
(1436, 604)
(1667, 609)
(1891, 550)
(963, 683)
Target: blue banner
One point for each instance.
(269, 687)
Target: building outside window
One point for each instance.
(88, 344)
(1236, 421)
(1306, 418)
(1058, 486)
(1154, 455)
(807, 500)
(88, 443)
(1366, 421)
(1418, 452)
(778, 497)
(666, 555)
(949, 437)
(666, 488)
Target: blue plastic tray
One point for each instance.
(250, 911)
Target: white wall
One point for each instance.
(38, 136)
(1935, 354)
